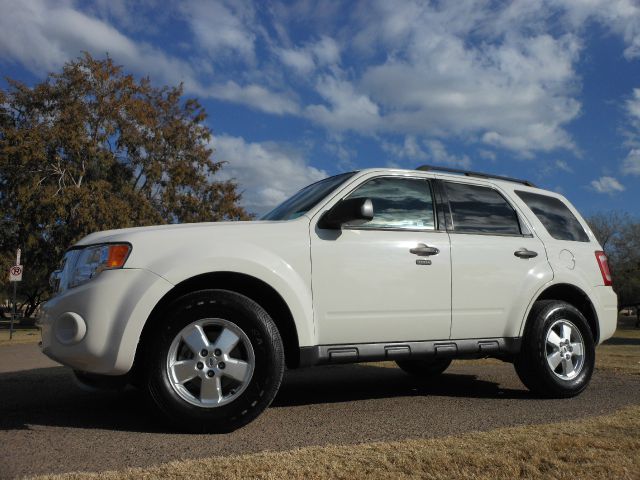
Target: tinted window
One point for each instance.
(306, 199)
(555, 216)
(398, 203)
(478, 209)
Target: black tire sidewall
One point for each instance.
(267, 348)
(547, 381)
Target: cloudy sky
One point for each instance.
(547, 90)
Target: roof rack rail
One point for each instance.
(468, 173)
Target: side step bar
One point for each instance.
(372, 352)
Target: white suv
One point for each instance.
(416, 266)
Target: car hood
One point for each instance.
(183, 230)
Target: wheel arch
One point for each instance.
(255, 289)
(574, 296)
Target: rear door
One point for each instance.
(497, 264)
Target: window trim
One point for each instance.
(451, 226)
(430, 181)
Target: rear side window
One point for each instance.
(398, 203)
(555, 216)
(477, 209)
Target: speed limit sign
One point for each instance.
(15, 273)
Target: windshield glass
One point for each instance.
(306, 199)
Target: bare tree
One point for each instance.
(619, 235)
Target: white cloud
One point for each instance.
(299, 60)
(608, 185)
(622, 17)
(303, 60)
(564, 166)
(342, 152)
(487, 155)
(253, 96)
(42, 36)
(427, 150)
(267, 172)
(513, 93)
(222, 28)
(631, 164)
(409, 149)
(501, 75)
(633, 105)
(326, 50)
(438, 153)
(347, 108)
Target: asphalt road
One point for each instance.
(49, 425)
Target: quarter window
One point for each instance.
(555, 216)
(399, 202)
(477, 209)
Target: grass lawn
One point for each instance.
(20, 335)
(604, 447)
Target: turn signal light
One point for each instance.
(117, 256)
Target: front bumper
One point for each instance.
(96, 327)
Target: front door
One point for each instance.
(368, 285)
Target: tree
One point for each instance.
(619, 236)
(92, 148)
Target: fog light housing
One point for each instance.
(69, 328)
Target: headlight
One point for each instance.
(96, 258)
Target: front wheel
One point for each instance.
(558, 352)
(215, 362)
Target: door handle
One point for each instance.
(424, 250)
(524, 253)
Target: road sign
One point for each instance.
(15, 273)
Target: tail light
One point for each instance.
(603, 263)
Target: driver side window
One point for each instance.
(398, 203)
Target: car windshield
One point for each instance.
(306, 199)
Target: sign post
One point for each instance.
(15, 276)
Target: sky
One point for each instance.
(546, 90)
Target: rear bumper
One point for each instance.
(96, 327)
(606, 305)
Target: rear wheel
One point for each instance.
(215, 362)
(425, 368)
(558, 352)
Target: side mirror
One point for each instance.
(347, 211)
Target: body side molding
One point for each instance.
(371, 352)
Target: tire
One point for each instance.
(424, 368)
(544, 345)
(233, 381)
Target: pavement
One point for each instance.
(48, 424)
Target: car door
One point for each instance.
(368, 285)
(497, 264)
